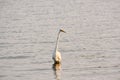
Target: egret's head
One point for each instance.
(62, 31)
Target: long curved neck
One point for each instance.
(57, 42)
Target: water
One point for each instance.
(90, 49)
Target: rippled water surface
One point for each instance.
(90, 49)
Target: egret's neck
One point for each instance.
(57, 42)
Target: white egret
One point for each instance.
(57, 55)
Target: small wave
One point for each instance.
(35, 69)
(2, 76)
(15, 57)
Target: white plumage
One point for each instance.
(57, 55)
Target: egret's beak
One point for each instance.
(62, 31)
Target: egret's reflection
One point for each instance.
(57, 71)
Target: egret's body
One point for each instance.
(57, 55)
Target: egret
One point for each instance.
(57, 55)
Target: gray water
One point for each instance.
(90, 49)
